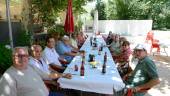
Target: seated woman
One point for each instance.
(115, 45)
(122, 39)
(125, 52)
(123, 58)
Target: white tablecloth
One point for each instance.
(94, 80)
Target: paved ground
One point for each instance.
(163, 65)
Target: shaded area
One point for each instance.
(163, 65)
(4, 31)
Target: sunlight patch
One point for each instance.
(20, 73)
(8, 78)
(7, 90)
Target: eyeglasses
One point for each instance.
(21, 55)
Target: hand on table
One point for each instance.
(67, 75)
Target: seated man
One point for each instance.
(65, 50)
(145, 74)
(37, 60)
(109, 38)
(50, 55)
(22, 79)
(81, 39)
(73, 41)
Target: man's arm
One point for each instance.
(56, 67)
(54, 75)
(59, 75)
(148, 85)
(70, 53)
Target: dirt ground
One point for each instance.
(163, 65)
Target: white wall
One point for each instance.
(125, 27)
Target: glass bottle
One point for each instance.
(82, 69)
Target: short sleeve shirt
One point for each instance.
(39, 64)
(23, 82)
(51, 56)
(62, 48)
(144, 72)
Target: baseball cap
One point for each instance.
(140, 47)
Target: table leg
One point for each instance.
(165, 52)
(81, 93)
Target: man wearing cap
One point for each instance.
(145, 74)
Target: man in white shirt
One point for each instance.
(50, 55)
(22, 79)
(37, 60)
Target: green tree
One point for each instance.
(111, 12)
(101, 7)
(157, 10)
(46, 11)
(5, 58)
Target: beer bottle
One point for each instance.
(104, 68)
(82, 68)
(91, 41)
(105, 57)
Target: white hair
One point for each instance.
(65, 37)
(17, 48)
(33, 47)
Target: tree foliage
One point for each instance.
(5, 58)
(47, 11)
(157, 10)
(101, 7)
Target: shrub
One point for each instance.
(23, 39)
(5, 58)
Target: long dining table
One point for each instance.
(93, 80)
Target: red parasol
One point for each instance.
(69, 21)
